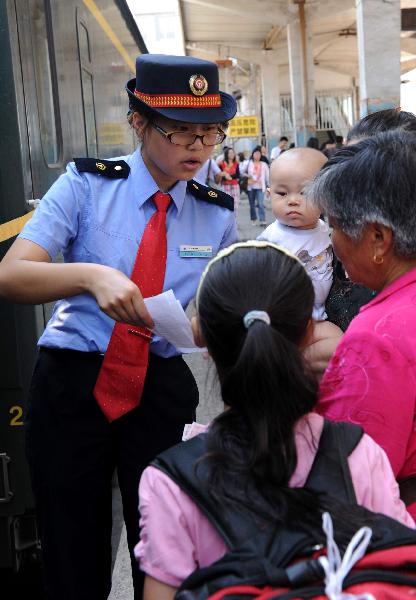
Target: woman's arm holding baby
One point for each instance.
(321, 345)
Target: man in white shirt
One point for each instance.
(283, 142)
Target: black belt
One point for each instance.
(408, 490)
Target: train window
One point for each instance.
(84, 44)
(87, 86)
(46, 86)
(89, 113)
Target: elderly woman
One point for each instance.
(369, 194)
(346, 298)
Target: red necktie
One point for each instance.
(120, 383)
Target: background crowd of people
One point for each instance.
(248, 173)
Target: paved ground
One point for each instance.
(210, 405)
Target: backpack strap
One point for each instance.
(330, 471)
(181, 463)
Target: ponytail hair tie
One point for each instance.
(255, 315)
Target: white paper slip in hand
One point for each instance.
(171, 322)
(190, 430)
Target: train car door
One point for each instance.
(30, 154)
(40, 89)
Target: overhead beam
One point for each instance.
(349, 68)
(321, 49)
(271, 37)
(322, 39)
(255, 10)
(235, 50)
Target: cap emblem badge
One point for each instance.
(198, 85)
(100, 166)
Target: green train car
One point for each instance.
(64, 64)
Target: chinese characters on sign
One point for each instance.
(244, 127)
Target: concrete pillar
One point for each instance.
(251, 95)
(270, 100)
(378, 38)
(256, 90)
(299, 35)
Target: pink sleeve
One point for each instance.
(374, 482)
(175, 537)
(368, 381)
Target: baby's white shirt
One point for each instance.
(314, 250)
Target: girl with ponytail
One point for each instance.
(254, 306)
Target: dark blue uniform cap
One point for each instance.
(183, 88)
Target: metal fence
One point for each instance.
(334, 111)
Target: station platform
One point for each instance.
(210, 405)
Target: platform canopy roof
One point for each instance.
(249, 29)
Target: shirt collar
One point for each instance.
(145, 186)
(392, 288)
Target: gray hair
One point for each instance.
(373, 181)
(382, 120)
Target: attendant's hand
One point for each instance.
(118, 297)
(321, 345)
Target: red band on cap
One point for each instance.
(179, 100)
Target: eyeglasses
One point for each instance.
(183, 138)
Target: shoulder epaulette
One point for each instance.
(203, 192)
(114, 169)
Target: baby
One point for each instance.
(298, 227)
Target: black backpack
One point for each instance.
(279, 562)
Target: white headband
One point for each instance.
(230, 249)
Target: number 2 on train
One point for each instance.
(16, 420)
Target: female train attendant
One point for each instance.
(99, 399)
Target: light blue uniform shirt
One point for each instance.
(92, 218)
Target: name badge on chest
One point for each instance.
(186, 251)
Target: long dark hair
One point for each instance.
(263, 377)
(265, 382)
(226, 154)
(256, 149)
